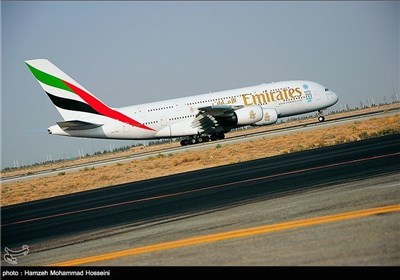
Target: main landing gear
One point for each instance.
(200, 139)
(321, 117)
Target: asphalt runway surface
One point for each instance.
(94, 222)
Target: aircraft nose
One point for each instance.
(335, 98)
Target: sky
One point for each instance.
(130, 53)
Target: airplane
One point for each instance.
(196, 119)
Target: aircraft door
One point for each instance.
(163, 121)
(317, 95)
(178, 107)
(142, 112)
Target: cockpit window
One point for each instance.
(326, 89)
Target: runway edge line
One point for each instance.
(232, 234)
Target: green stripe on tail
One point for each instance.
(48, 79)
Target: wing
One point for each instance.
(219, 110)
(211, 119)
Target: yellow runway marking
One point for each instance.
(232, 234)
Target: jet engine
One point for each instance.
(270, 116)
(248, 115)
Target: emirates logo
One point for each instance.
(252, 115)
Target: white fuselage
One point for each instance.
(288, 98)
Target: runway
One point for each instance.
(234, 139)
(302, 185)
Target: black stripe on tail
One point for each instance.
(73, 105)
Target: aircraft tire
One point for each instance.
(184, 142)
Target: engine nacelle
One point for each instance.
(270, 116)
(248, 115)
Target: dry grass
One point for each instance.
(161, 165)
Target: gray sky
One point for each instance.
(129, 53)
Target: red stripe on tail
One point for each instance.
(104, 109)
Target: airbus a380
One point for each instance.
(197, 118)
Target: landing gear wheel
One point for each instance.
(221, 136)
(206, 138)
(199, 140)
(184, 142)
(214, 137)
(192, 141)
(321, 118)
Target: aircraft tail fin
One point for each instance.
(72, 100)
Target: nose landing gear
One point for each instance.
(321, 117)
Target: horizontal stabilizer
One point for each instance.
(77, 125)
